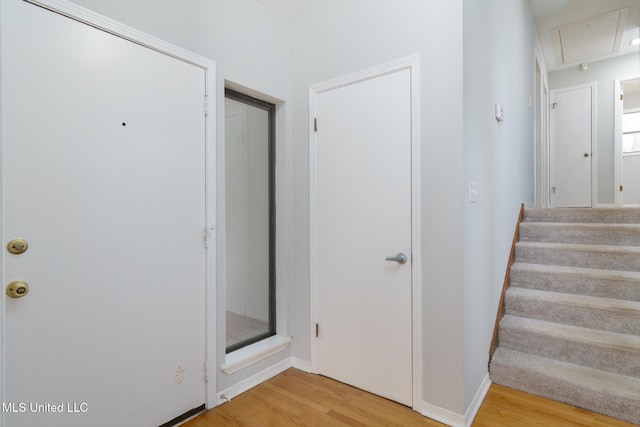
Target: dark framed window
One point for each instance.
(250, 212)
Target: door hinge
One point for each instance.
(206, 105)
(315, 124)
(553, 190)
(207, 236)
(621, 188)
(621, 97)
(554, 105)
(206, 373)
(317, 330)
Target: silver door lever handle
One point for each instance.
(400, 258)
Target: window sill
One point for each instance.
(254, 353)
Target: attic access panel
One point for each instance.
(590, 38)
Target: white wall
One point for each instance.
(464, 246)
(499, 156)
(604, 73)
(631, 179)
(251, 46)
(332, 38)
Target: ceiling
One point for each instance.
(571, 32)
(286, 8)
(581, 31)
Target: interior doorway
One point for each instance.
(541, 140)
(572, 133)
(627, 137)
(365, 231)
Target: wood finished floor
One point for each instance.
(295, 398)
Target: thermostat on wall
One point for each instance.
(499, 112)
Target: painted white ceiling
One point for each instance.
(593, 40)
(285, 8)
(588, 42)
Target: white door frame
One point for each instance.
(541, 127)
(594, 144)
(88, 17)
(541, 136)
(411, 63)
(618, 108)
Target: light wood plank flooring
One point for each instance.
(295, 398)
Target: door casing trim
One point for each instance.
(110, 26)
(411, 63)
(618, 107)
(594, 141)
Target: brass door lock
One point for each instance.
(17, 289)
(17, 246)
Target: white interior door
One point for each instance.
(104, 177)
(363, 215)
(572, 152)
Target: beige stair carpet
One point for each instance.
(571, 330)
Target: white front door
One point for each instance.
(104, 177)
(362, 216)
(572, 142)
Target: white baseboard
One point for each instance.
(303, 365)
(606, 205)
(454, 419)
(260, 377)
(472, 410)
(434, 412)
(442, 415)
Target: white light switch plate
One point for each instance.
(473, 192)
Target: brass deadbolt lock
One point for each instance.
(17, 289)
(17, 246)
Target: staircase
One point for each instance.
(571, 330)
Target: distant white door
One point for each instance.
(104, 177)
(363, 215)
(572, 116)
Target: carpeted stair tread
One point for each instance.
(581, 233)
(599, 215)
(571, 325)
(607, 314)
(625, 258)
(577, 280)
(604, 392)
(609, 351)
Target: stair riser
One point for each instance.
(625, 361)
(520, 378)
(614, 236)
(626, 289)
(621, 321)
(619, 260)
(571, 332)
(619, 216)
